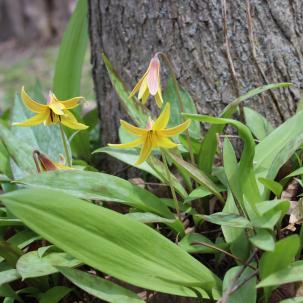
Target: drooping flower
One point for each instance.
(154, 135)
(44, 163)
(150, 83)
(55, 111)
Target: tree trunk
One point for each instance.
(220, 49)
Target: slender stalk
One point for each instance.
(169, 179)
(181, 105)
(64, 141)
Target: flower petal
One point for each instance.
(131, 144)
(143, 89)
(31, 104)
(145, 150)
(169, 132)
(145, 96)
(153, 76)
(163, 119)
(69, 120)
(35, 120)
(138, 85)
(133, 129)
(158, 98)
(71, 103)
(56, 107)
(165, 142)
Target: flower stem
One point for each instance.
(181, 105)
(64, 141)
(172, 189)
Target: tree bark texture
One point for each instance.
(220, 49)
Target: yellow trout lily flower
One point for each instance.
(55, 111)
(155, 135)
(44, 163)
(150, 83)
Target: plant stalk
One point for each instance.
(64, 141)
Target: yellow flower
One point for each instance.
(150, 83)
(43, 163)
(155, 135)
(53, 112)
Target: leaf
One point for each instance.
(273, 186)
(111, 242)
(196, 174)
(297, 172)
(99, 287)
(54, 295)
(66, 82)
(283, 255)
(199, 192)
(98, 186)
(170, 95)
(263, 240)
(293, 300)
(23, 238)
(31, 265)
(227, 219)
(209, 144)
(7, 274)
(291, 273)
(246, 293)
(133, 107)
(258, 125)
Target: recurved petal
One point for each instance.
(153, 76)
(158, 98)
(133, 129)
(145, 151)
(34, 106)
(69, 120)
(169, 132)
(138, 85)
(165, 143)
(71, 103)
(163, 119)
(143, 89)
(35, 120)
(128, 144)
(56, 107)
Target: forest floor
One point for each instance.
(27, 65)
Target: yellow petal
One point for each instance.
(145, 150)
(62, 167)
(31, 104)
(35, 120)
(71, 103)
(56, 107)
(133, 129)
(165, 143)
(129, 144)
(145, 96)
(138, 85)
(169, 132)
(69, 120)
(158, 98)
(163, 119)
(143, 89)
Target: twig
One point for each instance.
(245, 263)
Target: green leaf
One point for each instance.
(283, 255)
(273, 186)
(293, 300)
(98, 186)
(7, 274)
(297, 172)
(23, 238)
(209, 144)
(228, 219)
(196, 174)
(66, 83)
(134, 108)
(289, 274)
(170, 95)
(99, 287)
(246, 293)
(263, 240)
(111, 242)
(258, 125)
(31, 265)
(54, 295)
(199, 192)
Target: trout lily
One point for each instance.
(155, 135)
(55, 111)
(150, 83)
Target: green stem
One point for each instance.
(64, 141)
(181, 105)
(172, 189)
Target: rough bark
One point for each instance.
(264, 48)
